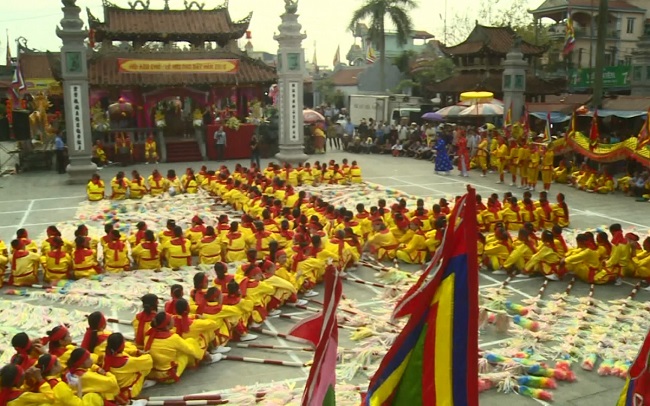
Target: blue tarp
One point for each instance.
(557, 117)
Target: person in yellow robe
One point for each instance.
(52, 232)
(534, 161)
(415, 250)
(95, 188)
(59, 343)
(4, 259)
(513, 161)
(209, 247)
(146, 255)
(172, 354)
(130, 370)
(177, 251)
(523, 249)
(482, 155)
(137, 186)
(84, 260)
(57, 264)
(58, 391)
(12, 384)
(94, 339)
(151, 150)
(24, 265)
(523, 158)
(561, 211)
(119, 186)
(605, 184)
(234, 243)
(157, 184)
(142, 321)
(618, 263)
(173, 183)
(497, 249)
(546, 260)
(561, 173)
(99, 154)
(189, 182)
(281, 260)
(382, 242)
(511, 215)
(195, 233)
(89, 377)
(501, 155)
(212, 335)
(582, 261)
(548, 172)
(641, 262)
(116, 255)
(318, 136)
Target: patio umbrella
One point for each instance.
(311, 116)
(473, 102)
(451, 111)
(482, 110)
(433, 116)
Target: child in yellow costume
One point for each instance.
(415, 250)
(57, 264)
(84, 260)
(534, 160)
(355, 173)
(24, 265)
(234, 243)
(172, 354)
(282, 266)
(137, 186)
(195, 233)
(228, 316)
(617, 265)
(497, 249)
(513, 161)
(561, 211)
(523, 250)
(209, 247)
(116, 255)
(81, 372)
(151, 150)
(130, 371)
(59, 392)
(482, 155)
(561, 173)
(523, 157)
(4, 258)
(142, 321)
(157, 184)
(382, 242)
(641, 262)
(147, 254)
(548, 157)
(177, 251)
(12, 387)
(210, 334)
(546, 260)
(582, 261)
(95, 188)
(119, 186)
(501, 156)
(173, 184)
(605, 184)
(511, 215)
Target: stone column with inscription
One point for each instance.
(514, 81)
(291, 70)
(74, 71)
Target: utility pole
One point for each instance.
(600, 54)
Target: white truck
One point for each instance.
(389, 108)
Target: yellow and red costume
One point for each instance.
(150, 149)
(119, 188)
(24, 268)
(177, 252)
(116, 257)
(84, 263)
(95, 190)
(57, 265)
(209, 250)
(147, 255)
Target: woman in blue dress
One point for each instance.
(442, 163)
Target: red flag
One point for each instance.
(322, 330)
(594, 134)
(644, 134)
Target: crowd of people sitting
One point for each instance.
(282, 248)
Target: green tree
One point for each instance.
(329, 93)
(376, 11)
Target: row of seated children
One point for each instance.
(155, 185)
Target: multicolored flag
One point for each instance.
(434, 360)
(371, 56)
(337, 57)
(322, 331)
(644, 134)
(507, 123)
(547, 128)
(594, 133)
(636, 391)
(569, 36)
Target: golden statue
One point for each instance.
(39, 126)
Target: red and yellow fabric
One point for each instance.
(24, 268)
(147, 255)
(546, 261)
(150, 150)
(94, 382)
(520, 255)
(137, 189)
(130, 372)
(84, 263)
(116, 257)
(415, 251)
(60, 394)
(95, 190)
(194, 234)
(171, 355)
(157, 186)
(497, 252)
(119, 188)
(383, 244)
(177, 252)
(209, 250)
(57, 265)
(19, 397)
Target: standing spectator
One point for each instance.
(403, 132)
(220, 143)
(363, 128)
(340, 133)
(255, 152)
(59, 150)
(331, 135)
(379, 133)
(349, 133)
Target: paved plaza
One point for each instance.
(36, 200)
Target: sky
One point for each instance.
(324, 21)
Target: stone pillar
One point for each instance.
(640, 80)
(291, 69)
(74, 68)
(514, 82)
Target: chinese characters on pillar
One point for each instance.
(294, 134)
(281, 106)
(77, 129)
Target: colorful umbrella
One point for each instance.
(482, 110)
(433, 116)
(311, 116)
(451, 111)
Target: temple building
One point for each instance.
(166, 70)
(478, 62)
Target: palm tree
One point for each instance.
(376, 11)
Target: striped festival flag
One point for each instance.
(636, 391)
(434, 360)
(321, 330)
(594, 132)
(569, 36)
(644, 135)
